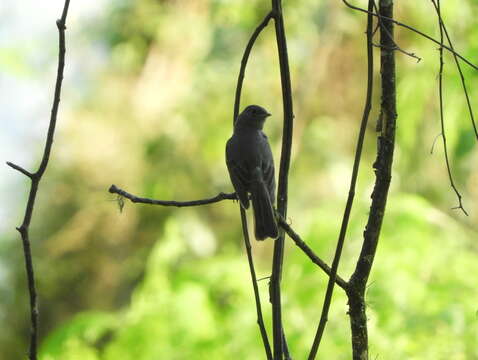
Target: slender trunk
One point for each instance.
(383, 172)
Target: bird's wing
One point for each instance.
(238, 175)
(268, 169)
(269, 179)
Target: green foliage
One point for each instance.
(189, 305)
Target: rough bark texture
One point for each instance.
(383, 171)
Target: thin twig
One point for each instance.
(245, 58)
(442, 119)
(282, 192)
(396, 47)
(462, 77)
(20, 169)
(136, 199)
(309, 252)
(412, 29)
(35, 181)
(434, 143)
(353, 182)
(237, 102)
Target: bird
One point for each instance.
(251, 168)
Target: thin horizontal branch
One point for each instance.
(20, 169)
(309, 252)
(414, 30)
(136, 199)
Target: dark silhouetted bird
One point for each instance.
(251, 168)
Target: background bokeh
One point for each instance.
(147, 105)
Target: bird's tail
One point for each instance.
(265, 224)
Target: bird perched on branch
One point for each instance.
(251, 169)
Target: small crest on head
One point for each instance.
(256, 111)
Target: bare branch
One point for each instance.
(412, 29)
(442, 119)
(35, 178)
(458, 66)
(396, 47)
(20, 169)
(136, 199)
(245, 58)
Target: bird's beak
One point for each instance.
(268, 114)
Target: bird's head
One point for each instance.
(253, 116)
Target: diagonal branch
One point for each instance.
(310, 253)
(35, 178)
(412, 29)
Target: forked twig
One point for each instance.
(398, 23)
(395, 47)
(35, 178)
(442, 120)
(458, 66)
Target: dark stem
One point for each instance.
(260, 319)
(353, 182)
(383, 173)
(282, 192)
(412, 29)
(237, 102)
(442, 119)
(35, 181)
